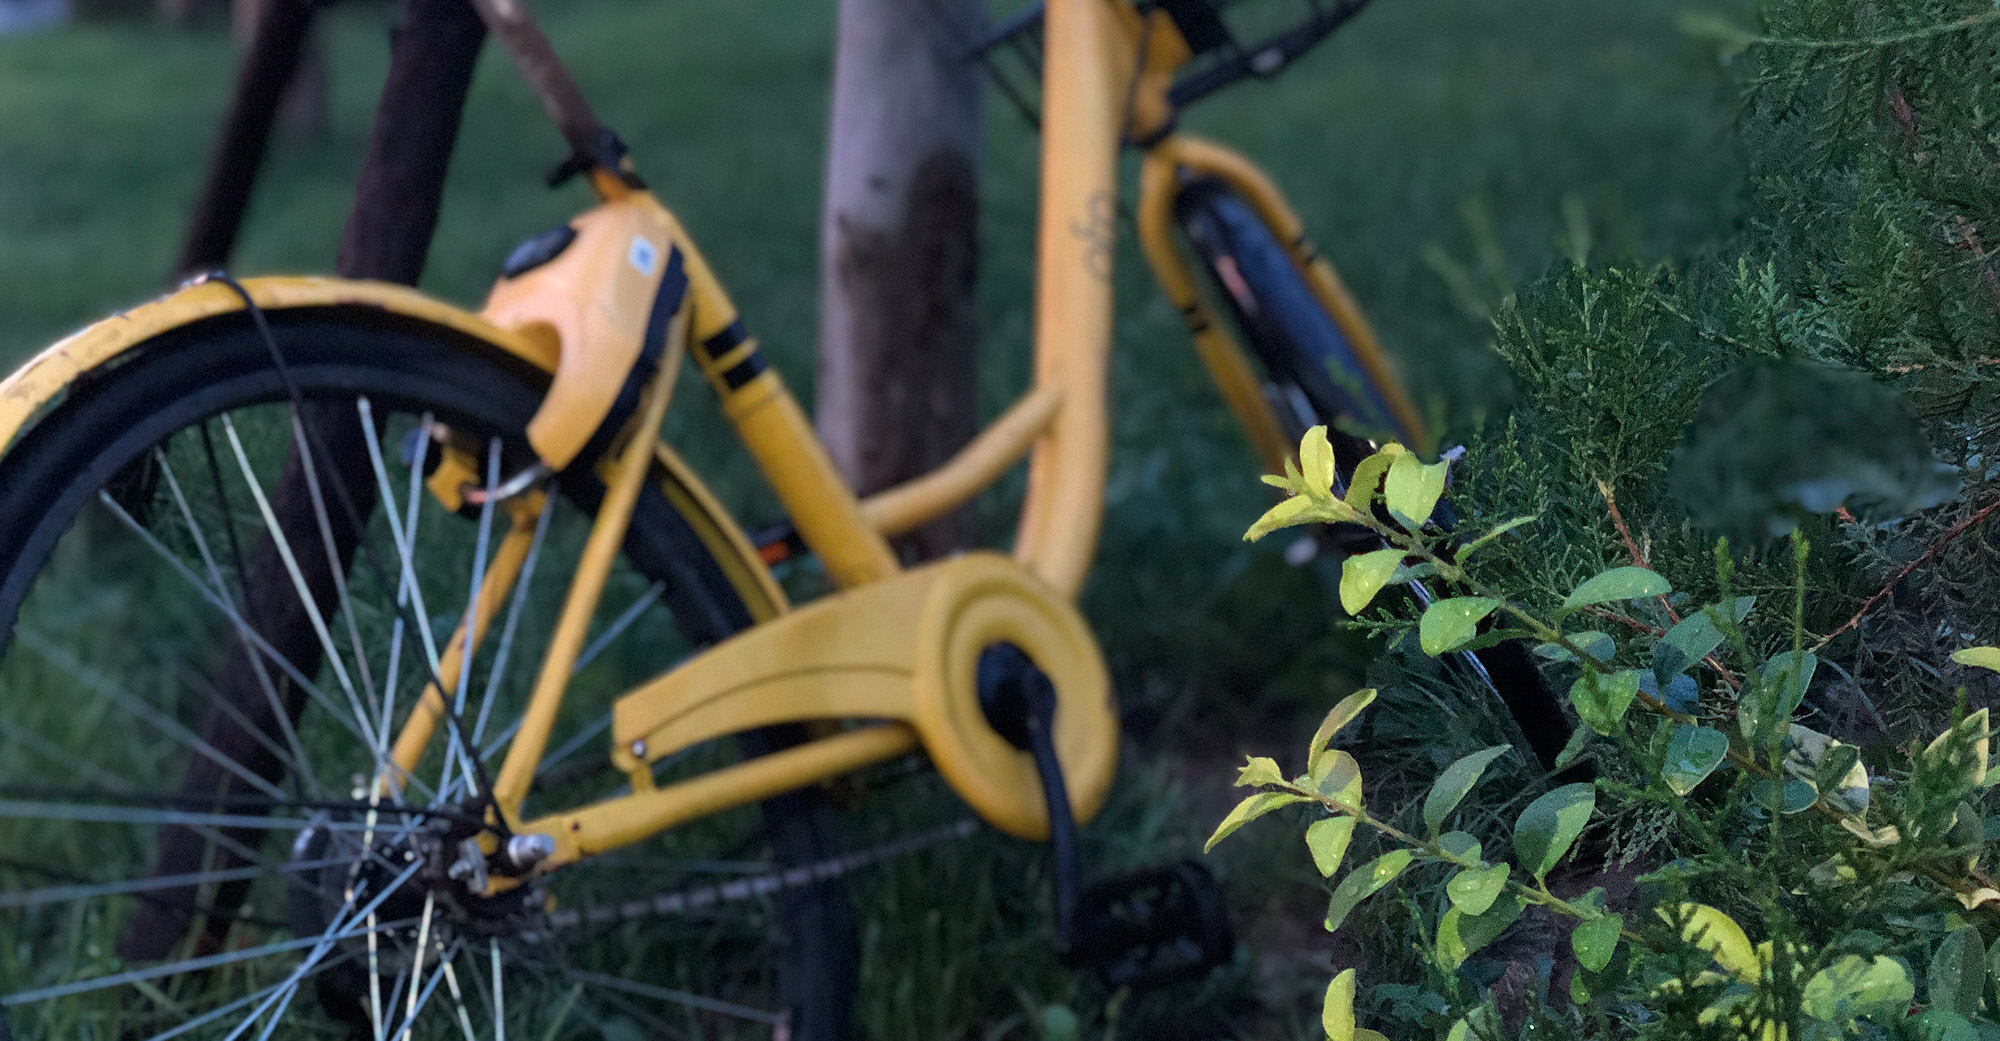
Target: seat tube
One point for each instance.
(1088, 53)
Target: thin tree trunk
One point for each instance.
(897, 390)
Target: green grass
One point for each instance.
(1466, 128)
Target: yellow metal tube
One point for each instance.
(622, 821)
(607, 536)
(501, 575)
(780, 438)
(921, 500)
(1207, 157)
(1085, 68)
(1220, 353)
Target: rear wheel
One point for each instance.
(1315, 377)
(208, 663)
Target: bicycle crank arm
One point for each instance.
(1147, 928)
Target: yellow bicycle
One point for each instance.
(376, 667)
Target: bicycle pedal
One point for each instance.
(1162, 925)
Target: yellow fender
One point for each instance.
(37, 386)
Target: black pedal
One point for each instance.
(1161, 925)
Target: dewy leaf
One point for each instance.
(1450, 624)
(1412, 490)
(1957, 975)
(1259, 770)
(1327, 838)
(1856, 986)
(1367, 482)
(1337, 1011)
(1724, 940)
(1550, 824)
(1595, 939)
(1596, 644)
(1363, 575)
(1602, 700)
(1362, 883)
(1341, 715)
(1619, 583)
(1452, 785)
(1693, 752)
(1248, 810)
(1473, 890)
(1316, 463)
(1339, 779)
(1461, 935)
(1979, 657)
(1690, 640)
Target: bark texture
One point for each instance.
(897, 390)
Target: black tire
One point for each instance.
(1318, 379)
(102, 439)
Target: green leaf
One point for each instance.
(1465, 551)
(1259, 770)
(1619, 583)
(1248, 810)
(1979, 657)
(1856, 986)
(1957, 975)
(1341, 715)
(1460, 845)
(1452, 785)
(1337, 1011)
(1339, 779)
(1693, 752)
(1690, 640)
(1602, 700)
(1290, 513)
(1957, 758)
(1794, 796)
(1595, 939)
(1327, 838)
(1367, 481)
(1719, 935)
(1450, 624)
(1596, 644)
(1362, 883)
(1472, 890)
(1316, 462)
(1412, 490)
(1363, 575)
(1550, 824)
(1461, 935)
(1937, 1024)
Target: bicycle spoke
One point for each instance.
(618, 625)
(212, 961)
(338, 573)
(296, 759)
(215, 600)
(468, 623)
(34, 641)
(678, 997)
(505, 645)
(306, 599)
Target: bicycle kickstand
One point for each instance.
(1158, 925)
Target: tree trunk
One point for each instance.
(897, 391)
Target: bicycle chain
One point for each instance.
(685, 901)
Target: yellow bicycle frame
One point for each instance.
(895, 648)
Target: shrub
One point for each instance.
(1860, 881)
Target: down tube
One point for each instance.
(1084, 65)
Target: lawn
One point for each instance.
(1438, 150)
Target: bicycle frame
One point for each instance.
(894, 645)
